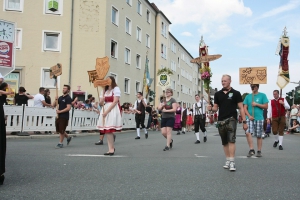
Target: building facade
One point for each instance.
(75, 33)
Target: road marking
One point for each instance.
(89, 155)
(201, 156)
(245, 157)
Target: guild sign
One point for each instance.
(163, 80)
(102, 67)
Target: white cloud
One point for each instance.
(188, 34)
(293, 4)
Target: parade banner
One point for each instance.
(102, 67)
(163, 81)
(206, 58)
(253, 75)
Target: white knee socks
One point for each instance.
(280, 140)
(138, 132)
(184, 129)
(205, 134)
(197, 135)
(276, 138)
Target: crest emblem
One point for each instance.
(163, 79)
(261, 74)
(230, 95)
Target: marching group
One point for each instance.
(173, 117)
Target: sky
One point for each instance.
(245, 33)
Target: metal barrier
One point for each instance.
(43, 119)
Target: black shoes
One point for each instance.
(178, 133)
(183, 132)
(280, 147)
(166, 148)
(146, 135)
(197, 142)
(275, 144)
(171, 144)
(110, 154)
(2, 177)
(137, 138)
(100, 142)
(205, 139)
(69, 140)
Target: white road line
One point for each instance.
(201, 156)
(90, 155)
(245, 157)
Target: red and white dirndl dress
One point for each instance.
(113, 120)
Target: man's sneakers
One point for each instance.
(232, 166)
(59, 146)
(197, 142)
(69, 140)
(280, 147)
(227, 163)
(275, 144)
(250, 153)
(166, 148)
(258, 154)
(137, 138)
(205, 138)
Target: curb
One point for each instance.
(12, 137)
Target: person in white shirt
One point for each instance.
(199, 110)
(293, 114)
(39, 99)
(140, 108)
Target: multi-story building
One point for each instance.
(75, 33)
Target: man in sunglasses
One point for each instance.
(254, 105)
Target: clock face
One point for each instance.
(7, 31)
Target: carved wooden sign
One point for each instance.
(56, 70)
(102, 67)
(253, 75)
(93, 75)
(206, 58)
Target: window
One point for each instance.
(137, 87)
(14, 5)
(114, 49)
(139, 8)
(148, 16)
(51, 41)
(127, 86)
(173, 66)
(127, 56)
(115, 16)
(173, 85)
(139, 34)
(163, 51)
(147, 41)
(173, 47)
(164, 29)
(129, 2)
(46, 81)
(18, 39)
(53, 7)
(138, 61)
(128, 26)
(115, 76)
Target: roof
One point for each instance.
(159, 11)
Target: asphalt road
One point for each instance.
(142, 170)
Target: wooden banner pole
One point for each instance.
(56, 96)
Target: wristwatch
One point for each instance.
(244, 122)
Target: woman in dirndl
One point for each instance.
(110, 119)
(177, 125)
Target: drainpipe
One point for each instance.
(71, 43)
(155, 61)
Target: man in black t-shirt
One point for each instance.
(22, 97)
(226, 101)
(61, 123)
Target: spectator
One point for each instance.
(149, 111)
(47, 96)
(294, 127)
(21, 97)
(39, 101)
(293, 114)
(88, 105)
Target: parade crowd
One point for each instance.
(256, 113)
